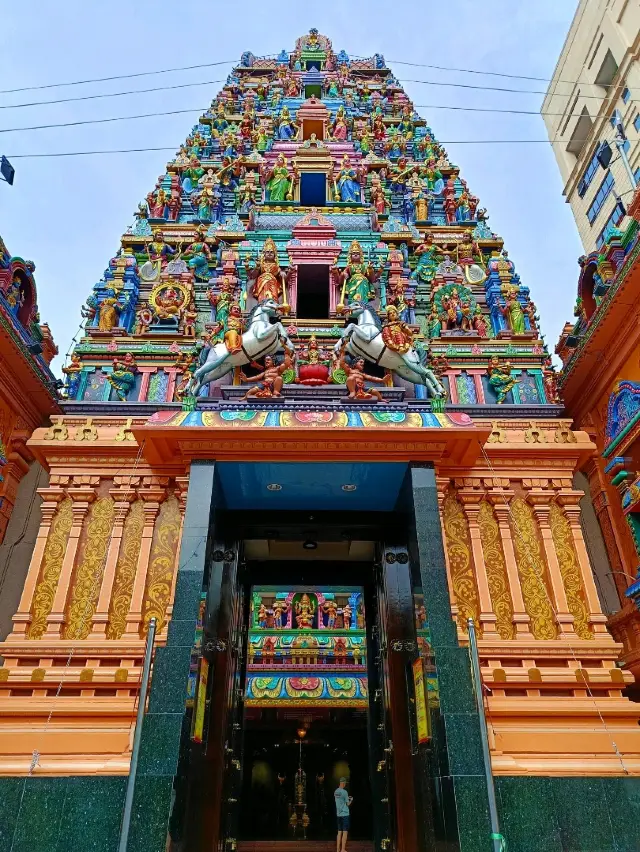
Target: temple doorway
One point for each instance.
(313, 189)
(313, 291)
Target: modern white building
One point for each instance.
(595, 85)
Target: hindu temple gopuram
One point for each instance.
(311, 429)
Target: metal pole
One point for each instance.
(620, 146)
(137, 736)
(498, 840)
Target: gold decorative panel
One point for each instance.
(532, 570)
(458, 542)
(51, 567)
(496, 568)
(125, 570)
(161, 563)
(86, 587)
(570, 570)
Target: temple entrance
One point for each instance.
(313, 189)
(307, 675)
(313, 291)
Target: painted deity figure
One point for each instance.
(286, 128)
(270, 380)
(377, 195)
(396, 334)
(219, 123)
(428, 260)
(232, 328)
(262, 615)
(269, 278)
(72, 376)
(480, 323)
(469, 257)
(331, 608)
(169, 303)
(222, 301)
(109, 311)
(305, 612)
(123, 376)
(434, 323)
(158, 250)
(512, 310)
(15, 295)
(347, 183)
(356, 378)
(144, 318)
(358, 276)
(339, 129)
(198, 255)
(432, 177)
(192, 174)
(157, 201)
(500, 378)
(279, 182)
(280, 608)
(186, 365)
(347, 614)
(406, 125)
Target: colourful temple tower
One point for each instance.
(312, 429)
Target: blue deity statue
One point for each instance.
(347, 182)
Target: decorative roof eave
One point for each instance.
(604, 326)
(208, 435)
(38, 383)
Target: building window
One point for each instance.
(636, 123)
(626, 95)
(616, 217)
(601, 196)
(589, 172)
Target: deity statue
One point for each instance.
(305, 611)
(222, 301)
(280, 607)
(269, 277)
(463, 210)
(431, 177)
(186, 364)
(364, 141)
(356, 378)
(158, 250)
(231, 329)
(269, 381)
(400, 175)
(331, 87)
(123, 376)
(500, 378)
(286, 128)
(434, 323)
(279, 183)
(512, 309)
(339, 129)
(550, 381)
(406, 125)
(109, 310)
(157, 202)
(379, 129)
(469, 257)
(15, 295)
(314, 364)
(377, 195)
(358, 277)
(331, 608)
(421, 616)
(189, 318)
(347, 183)
(531, 311)
(480, 323)
(417, 204)
(72, 376)
(219, 123)
(247, 193)
(428, 260)
(347, 614)
(456, 309)
(169, 303)
(262, 615)
(396, 334)
(144, 318)
(198, 255)
(192, 174)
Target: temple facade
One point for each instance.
(312, 429)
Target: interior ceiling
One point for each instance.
(313, 485)
(343, 551)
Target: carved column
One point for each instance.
(442, 484)
(153, 493)
(470, 499)
(82, 495)
(123, 495)
(570, 501)
(51, 497)
(540, 499)
(500, 498)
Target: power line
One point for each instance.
(173, 147)
(116, 77)
(204, 109)
(490, 88)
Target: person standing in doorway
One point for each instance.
(343, 801)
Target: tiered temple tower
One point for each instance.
(310, 220)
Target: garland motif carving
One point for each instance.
(570, 570)
(459, 552)
(51, 567)
(161, 563)
(496, 571)
(126, 570)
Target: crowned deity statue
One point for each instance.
(269, 277)
(185, 365)
(347, 183)
(305, 612)
(358, 277)
(158, 250)
(339, 128)
(279, 183)
(72, 376)
(428, 259)
(222, 301)
(109, 310)
(157, 201)
(286, 127)
(431, 177)
(396, 334)
(469, 257)
(500, 378)
(512, 309)
(433, 323)
(219, 123)
(169, 302)
(377, 195)
(144, 318)
(123, 376)
(191, 174)
(231, 329)
(198, 255)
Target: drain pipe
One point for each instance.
(499, 844)
(137, 736)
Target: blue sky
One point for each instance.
(67, 214)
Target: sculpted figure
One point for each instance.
(72, 376)
(500, 378)
(512, 310)
(123, 376)
(358, 277)
(396, 334)
(270, 380)
(268, 276)
(356, 378)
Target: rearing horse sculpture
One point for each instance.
(261, 338)
(364, 340)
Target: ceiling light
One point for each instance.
(274, 486)
(349, 487)
(310, 545)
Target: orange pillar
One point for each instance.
(470, 499)
(152, 498)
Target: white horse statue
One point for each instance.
(261, 338)
(364, 340)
